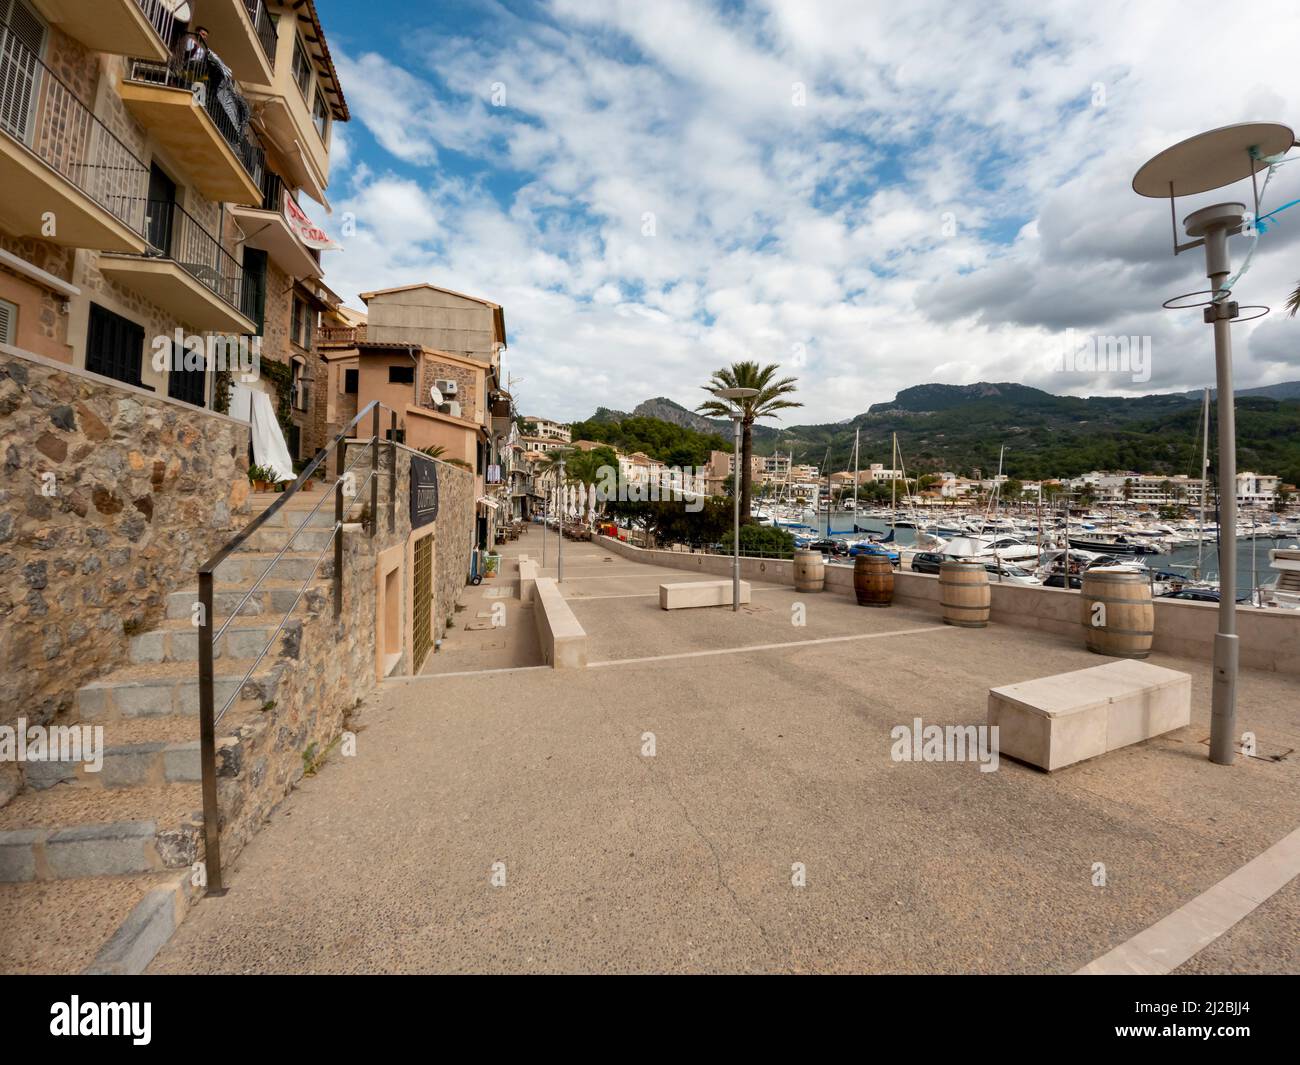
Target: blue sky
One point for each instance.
(872, 195)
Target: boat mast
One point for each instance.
(857, 433)
(893, 488)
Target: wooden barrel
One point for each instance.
(873, 580)
(964, 593)
(809, 571)
(1117, 614)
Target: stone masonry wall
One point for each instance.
(313, 692)
(111, 498)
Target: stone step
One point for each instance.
(244, 567)
(62, 833)
(137, 751)
(273, 598)
(103, 924)
(126, 766)
(273, 538)
(178, 641)
(173, 688)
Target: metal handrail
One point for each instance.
(208, 716)
(175, 233)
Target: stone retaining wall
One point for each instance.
(333, 664)
(111, 498)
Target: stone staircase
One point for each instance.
(134, 829)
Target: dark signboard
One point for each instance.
(424, 491)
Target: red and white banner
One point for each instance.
(308, 231)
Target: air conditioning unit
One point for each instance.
(447, 388)
(452, 408)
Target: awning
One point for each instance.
(488, 502)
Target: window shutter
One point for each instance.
(8, 322)
(20, 46)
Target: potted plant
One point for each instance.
(263, 477)
(490, 565)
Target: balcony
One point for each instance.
(121, 27)
(266, 228)
(244, 36)
(66, 177)
(200, 117)
(341, 336)
(186, 272)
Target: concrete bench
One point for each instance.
(527, 578)
(684, 594)
(1056, 721)
(563, 640)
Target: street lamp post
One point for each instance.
(1200, 164)
(559, 531)
(736, 396)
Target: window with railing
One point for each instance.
(161, 15)
(44, 115)
(264, 25)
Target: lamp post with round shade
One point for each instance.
(735, 396)
(1203, 163)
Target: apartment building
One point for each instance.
(152, 154)
(434, 356)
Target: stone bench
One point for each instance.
(1056, 721)
(527, 578)
(563, 640)
(684, 594)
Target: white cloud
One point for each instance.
(946, 204)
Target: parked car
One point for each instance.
(926, 562)
(829, 547)
(1196, 595)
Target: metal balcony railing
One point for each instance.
(45, 116)
(219, 96)
(263, 27)
(272, 191)
(177, 235)
(161, 17)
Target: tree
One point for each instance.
(771, 398)
(1293, 302)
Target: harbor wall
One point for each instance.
(1269, 638)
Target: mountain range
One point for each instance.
(964, 427)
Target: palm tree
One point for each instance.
(1293, 302)
(764, 405)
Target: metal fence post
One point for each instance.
(341, 455)
(374, 470)
(392, 481)
(208, 742)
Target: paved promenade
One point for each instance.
(771, 748)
